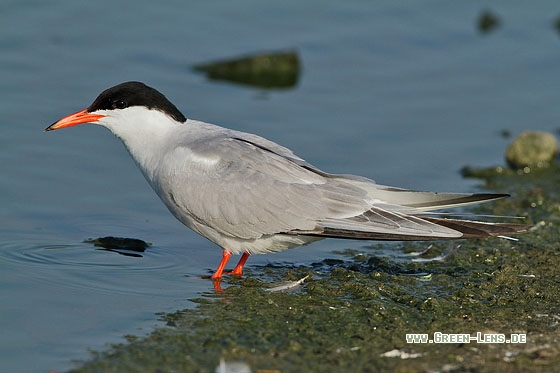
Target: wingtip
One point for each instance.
(479, 229)
(490, 196)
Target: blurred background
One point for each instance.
(405, 93)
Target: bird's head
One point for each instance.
(126, 105)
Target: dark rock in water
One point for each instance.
(532, 148)
(123, 246)
(266, 70)
(556, 24)
(487, 21)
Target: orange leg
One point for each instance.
(225, 257)
(238, 270)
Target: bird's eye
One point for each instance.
(119, 104)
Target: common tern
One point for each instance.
(250, 195)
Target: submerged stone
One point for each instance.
(120, 245)
(265, 70)
(487, 21)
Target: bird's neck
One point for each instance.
(149, 139)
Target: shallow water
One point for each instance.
(402, 93)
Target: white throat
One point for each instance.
(146, 134)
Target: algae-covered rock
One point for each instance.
(532, 148)
(265, 70)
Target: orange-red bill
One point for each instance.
(79, 117)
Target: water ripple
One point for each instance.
(84, 266)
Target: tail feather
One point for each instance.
(464, 229)
(428, 201)
(479, 229)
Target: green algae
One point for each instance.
(356, 308)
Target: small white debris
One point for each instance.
(508, 238)
(232, 367)
(402, 354)
(440, 258)
(418, 253)
(288, 285)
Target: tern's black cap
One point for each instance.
(135, 94)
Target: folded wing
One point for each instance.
(248, 188)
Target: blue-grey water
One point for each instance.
(403, 92)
